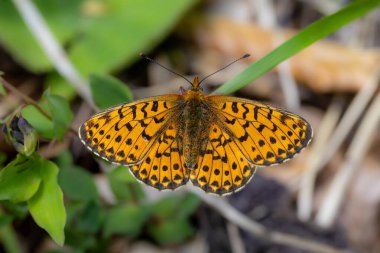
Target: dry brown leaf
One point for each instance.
(326, 66)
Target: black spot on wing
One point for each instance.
(154, 106)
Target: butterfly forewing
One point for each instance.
(265, 135)
(124, 134)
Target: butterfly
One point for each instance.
(214, 141)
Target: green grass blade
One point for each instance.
(314, 32)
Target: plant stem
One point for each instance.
(27, 99)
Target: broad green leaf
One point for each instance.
(20, 179)
(137, 26)
(108, 91)
(128, 220)
(46, 206)
(62, 17)
(78, 184)
(43, 125)
(314, 32)
(172, 231)
(61, 114)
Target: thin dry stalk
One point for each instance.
(357, 149)
(305, 194)
(353, 113)
(257, 230)
(237, 244)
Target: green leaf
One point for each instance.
(78, 184)
(171, 231)
(18, 210)
(81, 243)
(304, 38)
(3, 92)
(91, 218)
(62, 17)
(128, 220)
(176, 206)
(43, 125)
(46, 206)
(189, 203)
(137, 26)
(5, 219)
(59, 86)
(64, 159)
(9, 240)
(20, 179)
(108, 91)
(124, 185)
(85, 217)
(122, 174)
(61, 114)
(3, 158)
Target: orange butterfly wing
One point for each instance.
(163, 168)
(124, 134)
(221, 167)
(266, 135)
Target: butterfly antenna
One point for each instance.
(162, 66)
(243, 57)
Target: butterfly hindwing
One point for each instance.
(163, 167)
(222, 168)
(124, 133)
(265, 134)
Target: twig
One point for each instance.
(257, 230)
(236, 242)
(325, 7)
(52, 48)
(31, 101)
(305, 194)
(24, 97)
(358, 147)
(352, 114)
(11, 101)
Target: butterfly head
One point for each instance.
(195, 85)
(195, 91)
